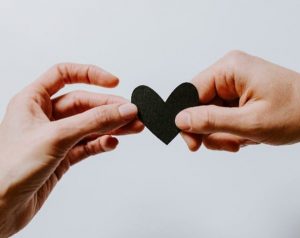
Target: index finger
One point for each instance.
(223, 79)
(68, 73)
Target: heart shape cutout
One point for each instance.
(159, 116)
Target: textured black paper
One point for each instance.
(159, 116)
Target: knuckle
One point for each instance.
(77, 95)
(97, 147)
(92, 148)
(69, 71)
(230, 64)
(87, 151)
(14, 100)
(60, 66)
(24, 97)
(235, 54)
(207, 120)
(105, 117)
(90, 68)
(93, 73)
(235, 58)
(75, 98)
(63, 70)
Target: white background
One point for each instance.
(145, 189)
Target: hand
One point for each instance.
(246, 100)
(41, 137)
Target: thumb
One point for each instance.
(211, 119)
(101, 120)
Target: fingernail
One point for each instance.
(128, 111)
(183, 121)
(111, 144)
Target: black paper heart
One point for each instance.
(159, 116)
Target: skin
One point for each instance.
(245, 100)
(42, 136)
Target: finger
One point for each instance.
(79, 101)
(89, 138)
(224, 79)
(97, 146)
(132, 128)
(67, 73)
(225, 141)
(211, 119)
(193, 141)
(100, 120)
